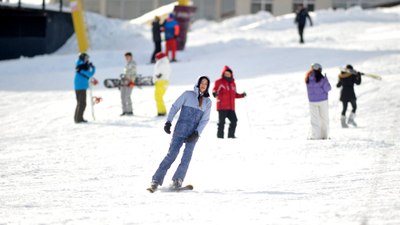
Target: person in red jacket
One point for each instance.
(225, 92)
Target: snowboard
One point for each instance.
(144, 80)
(374, 76)
(188, 187)
(112, 83)
(139, 81)
(93, 99)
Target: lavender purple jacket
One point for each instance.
(318, 92)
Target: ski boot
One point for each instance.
(176, 184)
(153, 187)
(343, 122)
(351, 119)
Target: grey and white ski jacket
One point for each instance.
(192, 116)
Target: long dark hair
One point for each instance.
(318, 75)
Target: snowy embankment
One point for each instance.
(56, 172)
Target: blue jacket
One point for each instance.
(192, 117)
(170, 28)
(81, 81)
(318, 91)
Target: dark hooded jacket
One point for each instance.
(225, 90)
(347, 81)
(301, 17)
(156, 31)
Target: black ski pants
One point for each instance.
(353, 103)
(231, 115)
(157, 49)
(301, 32)
(80, 106)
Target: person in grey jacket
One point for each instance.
(194, 107)
(127, 84)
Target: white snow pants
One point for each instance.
(319, 119)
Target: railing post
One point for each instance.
(79, 25)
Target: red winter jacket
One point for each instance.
(226, 92)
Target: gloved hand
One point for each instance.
(81, 67)
(94, 81)
(159, 76)
(215, 94)
(91, 64)
(131, 84)
(244, 94)
(167, 127)
(192, 137)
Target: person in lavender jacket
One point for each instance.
(318, 87)
(194, 115)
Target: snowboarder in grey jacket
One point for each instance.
(194, 107)
(127, 83)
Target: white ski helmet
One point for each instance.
(316, 66)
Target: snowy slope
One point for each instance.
(53, 171)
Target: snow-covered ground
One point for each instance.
(53, 171)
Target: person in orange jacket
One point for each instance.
(171, 31)
(225, 92)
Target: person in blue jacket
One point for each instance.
(171, 30)
(84, 71)
(194, 115)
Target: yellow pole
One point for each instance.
(79, 25)
(184, 2)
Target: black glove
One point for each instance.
(244, 94)
(192, 137)
(167, 127)
(81, 67)
(159, 76)
(215, 94)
